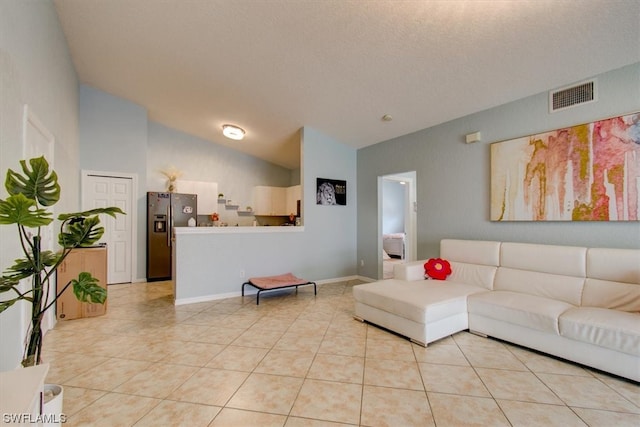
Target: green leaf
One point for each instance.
(8, 283)
(23, 267)
(111, 211)
(85, 232)
(86, 289)
(19, 209)
(36, 184)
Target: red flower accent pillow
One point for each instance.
(437, 268)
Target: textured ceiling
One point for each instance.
(274, 66)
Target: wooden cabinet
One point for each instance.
(293, 195)
(269, 201)
(91, 260)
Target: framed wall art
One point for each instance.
(588, 172)
(331, 192)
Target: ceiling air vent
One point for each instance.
(572, 96)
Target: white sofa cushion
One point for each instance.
(421, 301)
(530, 311)
(472, 274)
(470, 251)
(562, 260)
(553, 286)
(612, 329)
(613, 279)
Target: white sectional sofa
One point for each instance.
(580, 304)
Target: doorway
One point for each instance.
(102, 189)
(397, 227)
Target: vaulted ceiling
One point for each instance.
(338, 66)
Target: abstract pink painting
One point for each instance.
(588, 172)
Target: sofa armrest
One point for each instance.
(410, 271)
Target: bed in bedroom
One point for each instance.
(393, 244)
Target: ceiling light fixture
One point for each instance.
(233, 132)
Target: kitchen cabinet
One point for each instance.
(91, 260)
(293, 194)
(207, 193)
(269, 201)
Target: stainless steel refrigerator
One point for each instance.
(165, 211)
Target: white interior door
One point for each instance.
(102, 190)
(38, 141)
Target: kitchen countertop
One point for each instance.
(238, 230)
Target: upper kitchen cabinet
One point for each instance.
(276, 201)
(269, 201)
(293, 195)
(207, 193)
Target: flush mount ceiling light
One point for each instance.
(233, 132)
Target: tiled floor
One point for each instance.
(300, 360)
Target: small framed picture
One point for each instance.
(331, 192)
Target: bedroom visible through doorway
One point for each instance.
(397, 225)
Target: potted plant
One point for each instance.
(30, 193)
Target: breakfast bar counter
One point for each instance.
(212, 262)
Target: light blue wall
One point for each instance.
(35, 69)
(453, 178)
(113, 138)
(393, 202)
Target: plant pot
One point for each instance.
(52, 412)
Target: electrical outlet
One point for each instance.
(361, 263)
(242, 274)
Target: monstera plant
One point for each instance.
(30, 194)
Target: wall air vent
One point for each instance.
(572, 96)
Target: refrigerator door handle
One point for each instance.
(170, 230)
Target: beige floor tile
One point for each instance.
(456, 411)
(236, 418)
(238, 358)
(389, 350)
(538, 414)
(330, 401)
(516, 385)
(219, 335)
(310, 327)
(179, 414)
(151, 351)
(331, 367)
(467, 338)
(182, 332)
(76, 398)
(446, 354)
(193, 353)
(108, 375)
(267, 393)
(376, 333)
(260, 339)
(601, 418)
(294, 341)
(65, 366)
(452, 379)
(537, 362)
(209, 387)
(284, 362)
(625, 387)
(307, 422)
(343, 345)
(113, 409)
(158, 380)
(383, 406)
(586, 392)
(392, 373)
(488, 357)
